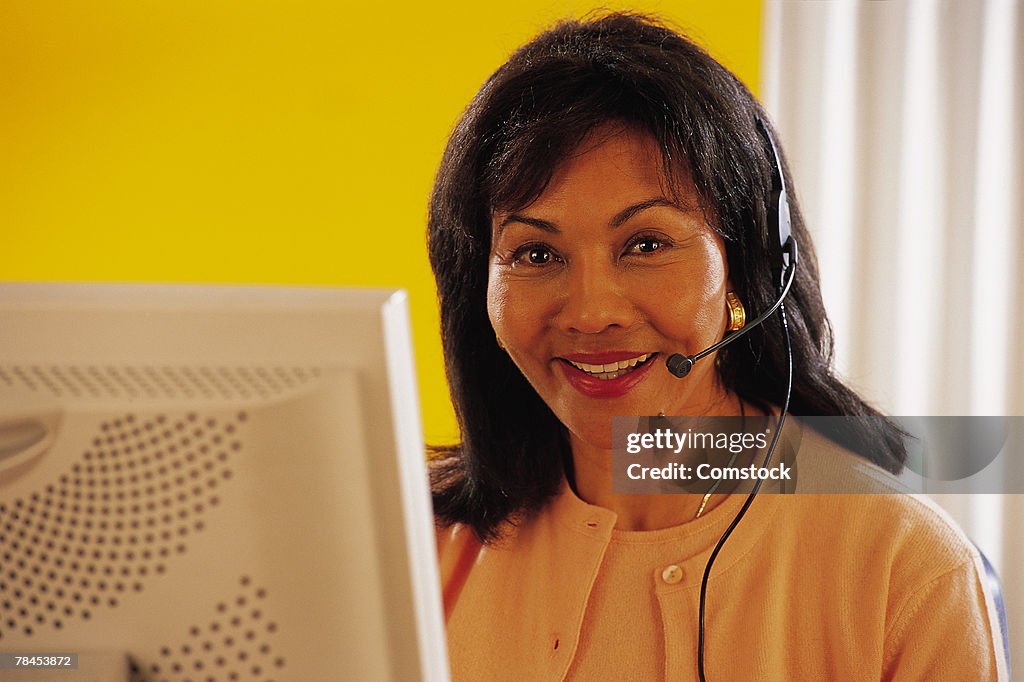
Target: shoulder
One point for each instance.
(458, 549)
(873, 508)
(454, 541)
(904, 555)
(525, 553)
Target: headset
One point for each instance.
(785, 255)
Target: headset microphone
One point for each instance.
(785, 256)
(680, 365)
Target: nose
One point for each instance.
(595, 299)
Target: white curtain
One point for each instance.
(903, 123)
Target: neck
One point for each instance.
(592, 482)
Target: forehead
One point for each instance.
(612, 167)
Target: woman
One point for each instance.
(604, 203)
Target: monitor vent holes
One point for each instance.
(99, 533)
(157, 382)
(234, 643)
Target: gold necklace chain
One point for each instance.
(732, 460)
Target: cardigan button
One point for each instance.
(672, 574)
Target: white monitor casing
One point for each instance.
(215, 483)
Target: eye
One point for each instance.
(646, 244)
(538, 256)
(535, 255)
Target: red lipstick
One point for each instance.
(594, 387)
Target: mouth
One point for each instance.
(608, 371)
(610, 374)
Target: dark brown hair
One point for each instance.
(528, 117)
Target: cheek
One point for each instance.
(508, 312)
(518, 314)
(697, 294)
(498, 303)
(716, 283)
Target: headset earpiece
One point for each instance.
(784, 247)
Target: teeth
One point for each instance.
(612, 370)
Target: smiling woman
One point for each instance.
(624, 274)
(603, 204)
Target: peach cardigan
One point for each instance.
(809, 587)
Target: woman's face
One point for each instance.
(596, 283)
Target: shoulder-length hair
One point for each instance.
(530, 115)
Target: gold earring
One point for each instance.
(737, 313)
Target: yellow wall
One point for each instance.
(257, 142)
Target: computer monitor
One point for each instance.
(214, 483)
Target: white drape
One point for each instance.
(903, 123)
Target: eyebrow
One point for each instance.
(620, 217)
(532, 222)
(630, 211)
